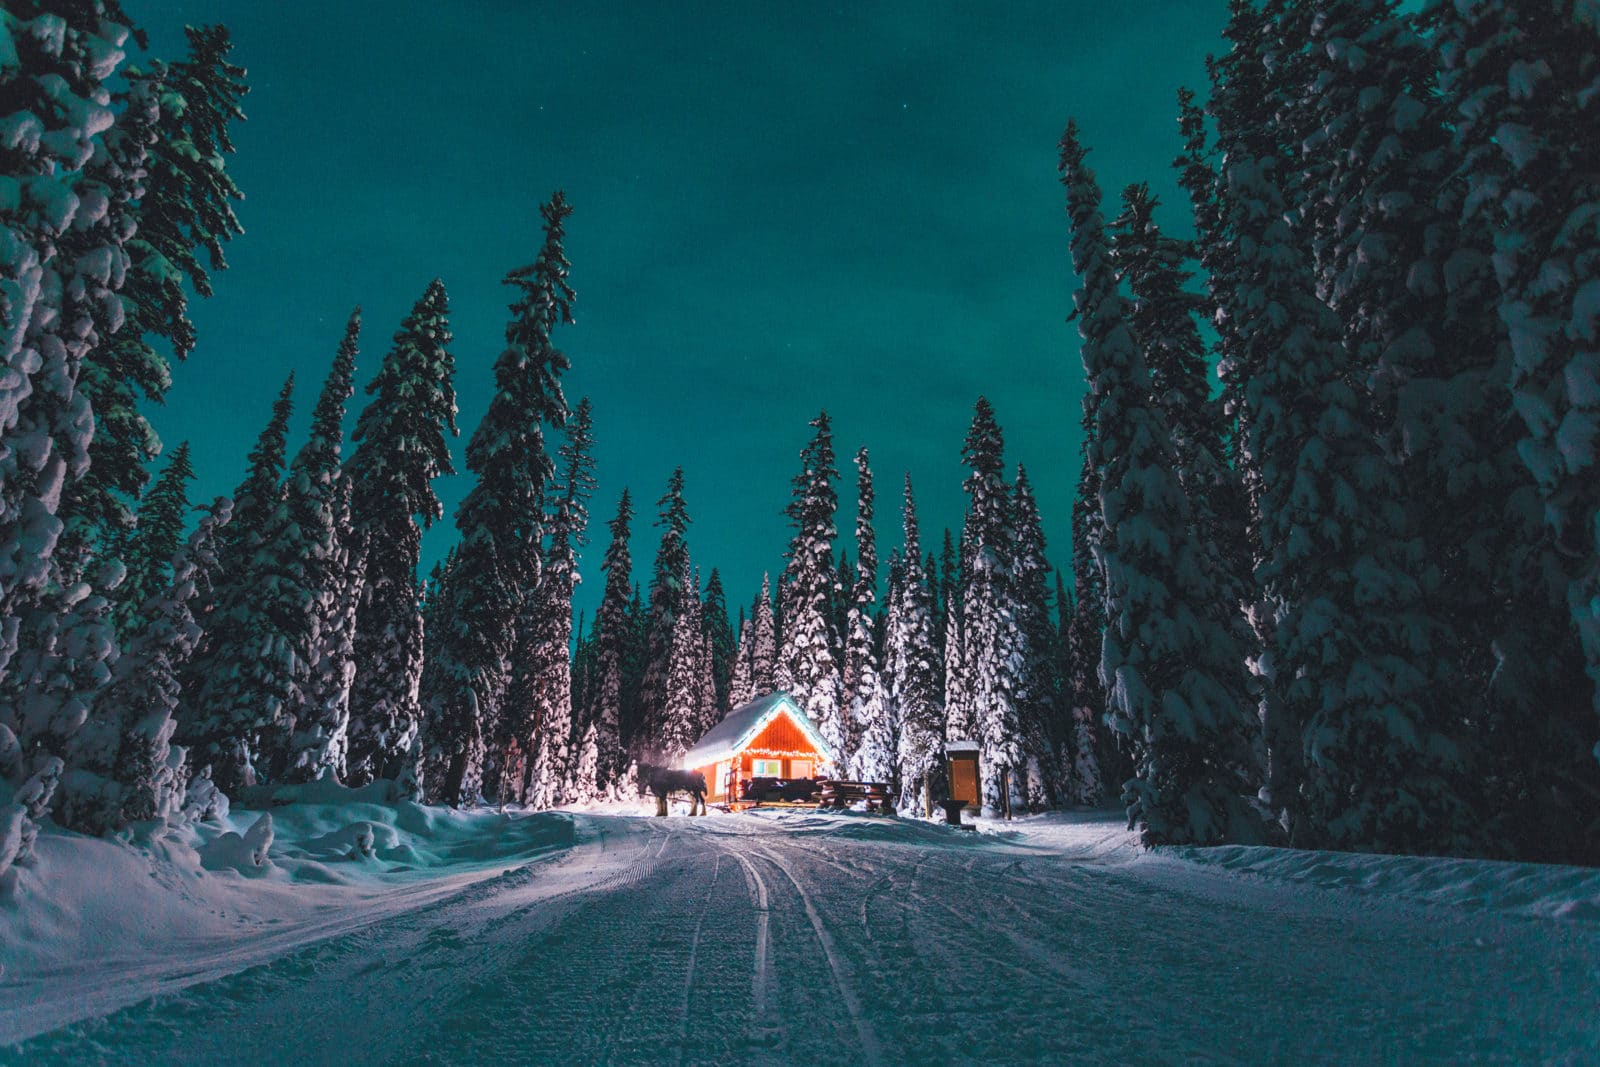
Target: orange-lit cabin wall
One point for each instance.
(780, 740)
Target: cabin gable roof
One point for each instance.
(744, 723)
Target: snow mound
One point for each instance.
(103, 919)
(246, 853)
(1544, 890)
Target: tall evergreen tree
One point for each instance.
(992, 650)
(806, 666)
(740, 686)
(613, 626)
(1173, 658)
(185, 207)
(239, 680)
(163, 515)
(500, 520)
(1518, 82)
(763, 643)
(311, 580)
(1038, 685)
(911, 662)
(719, 637)
(319, 745)
(1352, 636)
(546, 620)
(400, 447)
(73, 178)
(872, 740)
(667, 599)
(682, 708)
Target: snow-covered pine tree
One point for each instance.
(1216, 244)
(1162, 316)
(840, 596)
(740, 687)
(300, 563)
(1352, 635)
(1174, 650)
(667, 596)
(613, 626)
(74, 173)
(944, 581)
(805, 658)
(185, 206)
(1340, 552)
(541, 699)
(992, 649)
(66, 221)
(585, 787)
(719, 636)
(1519, 84)
(123, 767)
(635, 653)
(911, 662)
(400, 447)
(681, 711)
(163, 515)
(501, 522)
(872, 739)
(959, 720)
(582, 674)
(763, 642)
(320, 742)
(1079, 639)
(1038, 684)
(709, 714)
(238, 680)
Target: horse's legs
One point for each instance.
(661, 805)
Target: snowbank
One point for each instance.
(1544, 890)
(283, 868)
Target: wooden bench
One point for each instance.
(836, 793)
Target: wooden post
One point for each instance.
(1005, 791)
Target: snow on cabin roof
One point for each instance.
(742, 725)
(961, 746)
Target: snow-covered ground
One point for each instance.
(605, 936)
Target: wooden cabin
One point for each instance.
(766, 738)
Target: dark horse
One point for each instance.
(665, 780)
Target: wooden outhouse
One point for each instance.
(766, 738)
(961, 760)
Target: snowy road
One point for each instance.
(827, 940)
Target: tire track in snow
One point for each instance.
(758, 887)
(871, 1050)
(688, 970)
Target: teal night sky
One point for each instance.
(814, 206)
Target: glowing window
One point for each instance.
(766, 768)
(800, 768)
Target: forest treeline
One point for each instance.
(1353, 601)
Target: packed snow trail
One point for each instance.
(833, 939)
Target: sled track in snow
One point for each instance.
(871, 1050)
(758, 897)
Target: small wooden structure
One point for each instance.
(768, 738)
(961, 761)
(840, 794)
